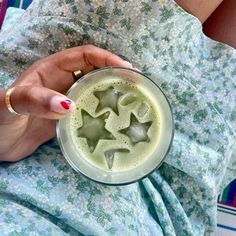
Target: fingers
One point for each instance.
(86, 58)
(56, 71)
(35, 93)
(41, 102)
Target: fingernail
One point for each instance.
(135, 68)
(62, 105)
(128, 64)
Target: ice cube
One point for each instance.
(129, 99)
(143, 109)
(109, 156)
(93, 129)
(108, 99)
(137, 131)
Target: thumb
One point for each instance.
(41, 102)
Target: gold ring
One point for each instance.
(8, 101)
(77, 74)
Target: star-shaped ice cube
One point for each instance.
(109, 156)
(137, 131)
(93, 129)
(108, 98)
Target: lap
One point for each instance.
(160, 39)
(45, 188)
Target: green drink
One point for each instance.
(121, 129)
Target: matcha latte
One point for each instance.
(122, 127)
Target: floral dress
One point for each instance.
(42, 195)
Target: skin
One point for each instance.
(217, 16)
(221, 25)
(202, 9)
(52, 76)
(35, 88)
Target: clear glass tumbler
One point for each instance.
(122, 128)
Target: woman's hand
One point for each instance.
(38, 98)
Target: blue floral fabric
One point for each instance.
(11, 17)
(42, 195)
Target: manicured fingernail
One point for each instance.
(62, 105)
(66, 104)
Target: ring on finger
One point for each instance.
(77, 74)
(8, 101)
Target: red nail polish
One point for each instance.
(66, 104)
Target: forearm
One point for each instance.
(221, 25)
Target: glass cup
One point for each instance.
(122, 128)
